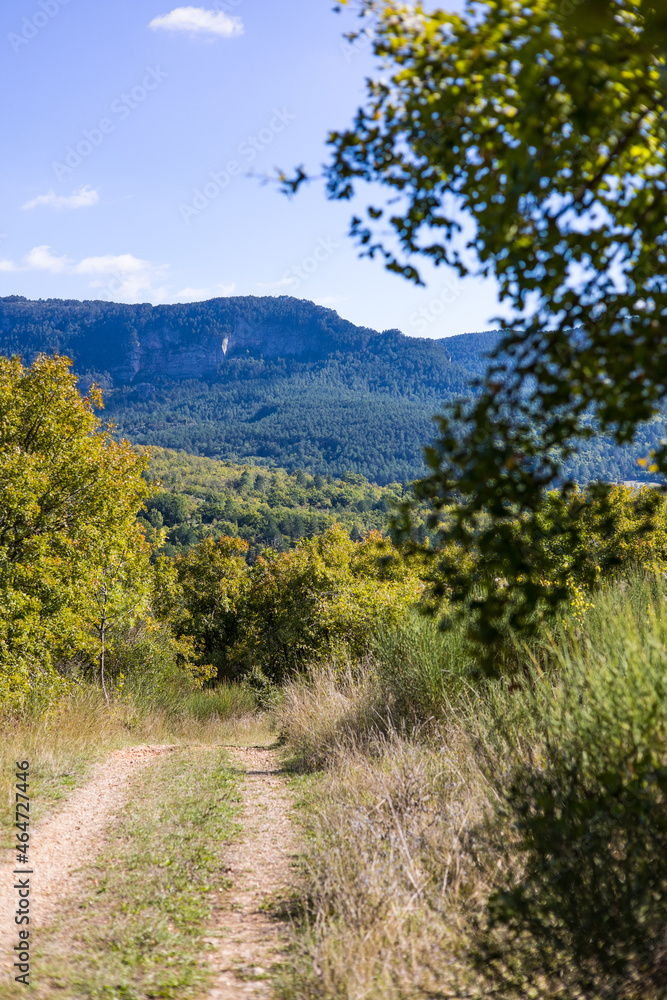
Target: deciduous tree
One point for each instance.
(527, 143)
(69, 497)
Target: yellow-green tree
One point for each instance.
(120, 585)
(326, 597)
(69, 495)
(290, 609)
(213, 578)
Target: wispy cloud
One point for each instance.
(329, 301)
(124, 276)
(127, 263)
(121, 277)
(199, 21)
(85, 197)
(39, 259)
(272, 286)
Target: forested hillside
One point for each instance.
(274, 381)
(201, 498)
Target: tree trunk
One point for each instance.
(103, 628)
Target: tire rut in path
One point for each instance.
(63, 841)
(247, 941)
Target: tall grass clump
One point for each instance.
(411, 674)
(388, 876)
(581, 824)
(332, 709)
(422, 668)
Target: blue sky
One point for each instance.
(130, 131)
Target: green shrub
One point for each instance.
(226, 701)
(290, 609)
(421, 667)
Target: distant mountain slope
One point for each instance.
(142, 343)
(275, 380)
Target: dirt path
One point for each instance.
(61, 842)
(247, 941)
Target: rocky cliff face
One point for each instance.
(169, 351)
(165, 353)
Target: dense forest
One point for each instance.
(201, 498)
(274, 381)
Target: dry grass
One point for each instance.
(390, 880)
(510, 848)
(333, 709)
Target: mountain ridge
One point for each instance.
(190, 340)
(276, 381)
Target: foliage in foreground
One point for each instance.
(525, 142)
(584, 816)
(501, 587)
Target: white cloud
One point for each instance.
(200, 294)
(329, 301)
(41, 259)
(198, 20)
(85, 197)
(123, 277)
(271, 286)
(125, 263)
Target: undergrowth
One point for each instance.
(488, 839)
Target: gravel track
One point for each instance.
(66, 839)
(247, 941)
